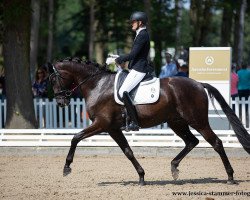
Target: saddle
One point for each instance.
(146, 92)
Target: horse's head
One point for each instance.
(61, 80)
(71, 71)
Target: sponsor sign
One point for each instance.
(212, 65)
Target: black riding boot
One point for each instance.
(133, 126)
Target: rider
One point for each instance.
(138, 64)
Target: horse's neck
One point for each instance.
(99, 86)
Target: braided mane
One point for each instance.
(103, 67)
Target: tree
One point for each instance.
(163, 29)
(50, 31)
(91, 28)
(35, 22)
(202, 25)
(1, 39)
(113, 32)
(246, 54)
(147, 7)
(239, 31)
(226, 25)
(16, 49)
(178, 8)
(200, 19)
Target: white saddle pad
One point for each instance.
(148, 91)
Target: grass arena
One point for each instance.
(105, 173)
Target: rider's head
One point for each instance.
(138, 19)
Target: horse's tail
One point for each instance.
(241, 133)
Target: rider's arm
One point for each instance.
(138, 45)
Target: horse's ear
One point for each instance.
(50, 68)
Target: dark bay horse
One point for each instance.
(183, 102)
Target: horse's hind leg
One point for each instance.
(123, 144)
(182, 130)
(216, 143)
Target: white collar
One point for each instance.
(139, 30)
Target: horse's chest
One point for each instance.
(93, 106)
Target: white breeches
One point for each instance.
(134, 77)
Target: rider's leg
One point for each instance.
(131, 112)
(133, 78)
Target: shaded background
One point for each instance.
(34, 32)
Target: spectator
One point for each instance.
(169, 69)
(39, 87)
(234, 82)
(183, 70)
(244, 82)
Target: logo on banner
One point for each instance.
(209, 60)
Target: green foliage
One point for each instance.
(186, 39)
(246, 55)
(71, 30)
(213, 38)
(72, 22)
(163, 28)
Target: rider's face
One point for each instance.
(135, 25)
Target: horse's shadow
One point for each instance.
(173, 182)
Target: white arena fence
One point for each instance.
(57, 126)
(144, 137)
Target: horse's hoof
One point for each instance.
(141, 181)
(66, 171)
(175, 174)
(232, 182)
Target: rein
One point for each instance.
(67, 93)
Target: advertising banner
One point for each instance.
(212, 65)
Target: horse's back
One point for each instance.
(182, 87)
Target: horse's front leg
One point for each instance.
(90, 131)
(123, 144)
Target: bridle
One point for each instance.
(65, 93)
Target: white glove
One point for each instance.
(110, 60)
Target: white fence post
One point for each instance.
(72, 113)
(54, 105)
